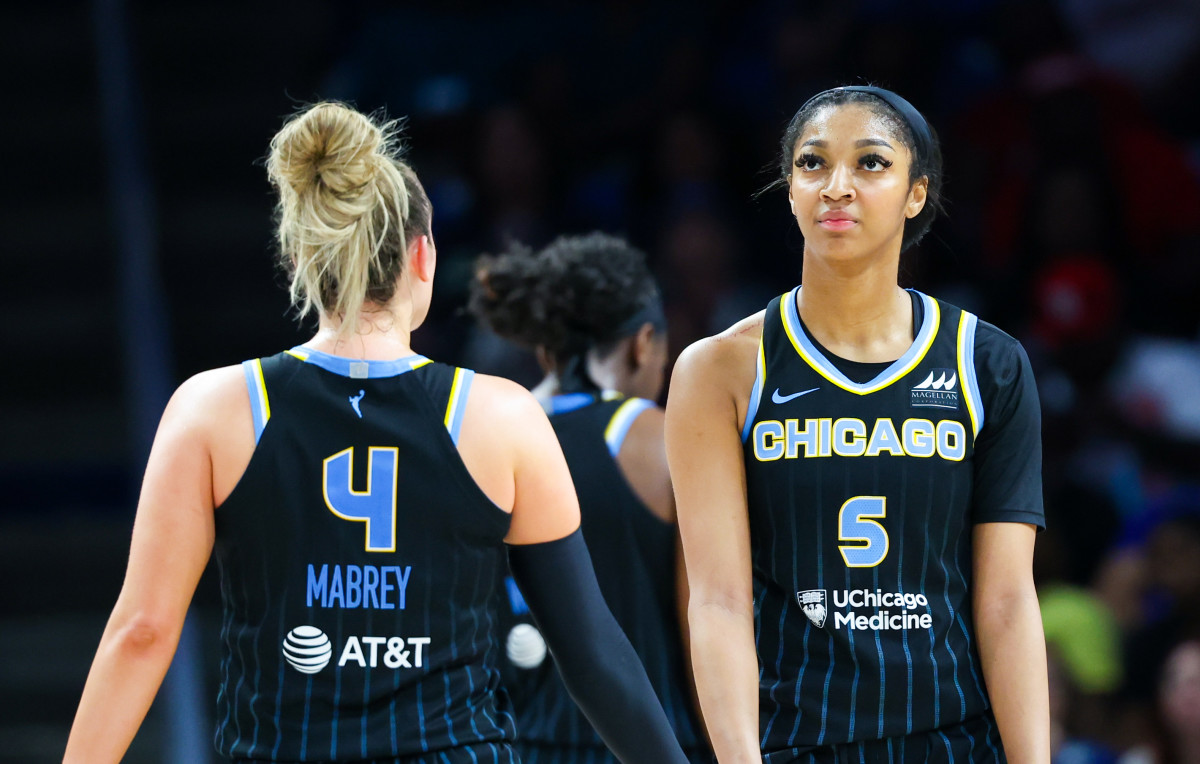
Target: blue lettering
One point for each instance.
(353, 586)
(385, 590)
(317, 584)
(358, 586)
(402, 577)
(370, 586)
(335, 588)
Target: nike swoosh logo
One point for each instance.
(777, 398)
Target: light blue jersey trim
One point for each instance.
(458, 402)
(561, 404)
(258, 405)
(901, 366)
(760, 379)
(358, 369)
(970, 379)
(622, 420)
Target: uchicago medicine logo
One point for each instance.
(866, 609)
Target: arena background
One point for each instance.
(138, 250)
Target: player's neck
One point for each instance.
(861, 316)
(377, 336)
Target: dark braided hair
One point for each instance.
(926, 153)
(575, 295)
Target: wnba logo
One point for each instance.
(307, 649)
(814, 604)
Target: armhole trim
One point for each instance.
(457, 405)
(760, 378)
(260, 402)
(966, 370)
(622, 420)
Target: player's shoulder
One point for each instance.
(732, 351)
(999, 358)
(504, 399)
(992, 344)
(212, 392)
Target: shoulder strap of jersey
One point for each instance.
(760, 379)
(967, 324)
(621, 420)
(260, 400)
(456, 404)
(771, 329)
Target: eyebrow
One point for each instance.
(861, 143)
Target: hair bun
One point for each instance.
(329, 146)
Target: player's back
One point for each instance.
(359, 563)
(633, 553)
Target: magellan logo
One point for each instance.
(937, 390)
(814, 604)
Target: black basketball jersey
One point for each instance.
(359, 565)
(633, 553)
(862, 497)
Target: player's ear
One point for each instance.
(641, 348)
(422, 257)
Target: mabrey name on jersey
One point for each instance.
(381, 587)
(850, 437)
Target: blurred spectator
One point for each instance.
(1177, 721)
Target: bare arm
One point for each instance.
(172, 540)
(705, 455)
(1011, 643)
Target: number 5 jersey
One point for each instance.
(863, 483)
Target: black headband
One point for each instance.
(651, 313)
(922, 135)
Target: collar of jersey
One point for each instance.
(353, 367)
(817, 360)
(561, 404)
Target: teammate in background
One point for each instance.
(858, 474)
(589, 307)
(358, 499)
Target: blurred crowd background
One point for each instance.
(138, 250)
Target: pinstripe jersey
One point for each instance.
(633, 553)
(861, 497)
(359, 564)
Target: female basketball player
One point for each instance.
(858, 474)
(358, 499)
(590, 308)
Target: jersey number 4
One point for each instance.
(375, 506)
(855, 524)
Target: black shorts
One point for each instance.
(973, 741)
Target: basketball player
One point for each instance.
(858, 473)
(358, 499)
(590, 308)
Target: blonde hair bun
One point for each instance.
(344, 209)
(330, 145)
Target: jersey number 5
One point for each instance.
(377, 505)
(854, 525)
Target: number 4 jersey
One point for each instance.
(359, 563)
(864, 482)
